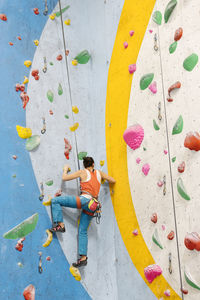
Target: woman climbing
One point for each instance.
(90, 182)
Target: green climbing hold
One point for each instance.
(51, 63)
(145, 149)
(14, 175)
(155, 125)
(172, 47)
(23, 229)
(181, 189)
(60, 90)
(49, 182)
(81, 155)
(169, 9)
(156, 239)
(62, 11)
(157, 17)
(178, 127)
(83, 57)
(32, 142)
(173, 159)
(66, 117)
(190, 62)
(190, 280)
(50, 95)
(146, 80)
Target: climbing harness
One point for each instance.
(41, 197)
(40, 263)
(155, 42)
(159, 111)
(45, 12)
(44, 126)
(45, 65)
(170, 263)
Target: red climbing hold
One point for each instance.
(170, 235)
(3, 17)
(25, 99)
(51, 112)
(192, 141)
(192, 241)
(36, 11)
(10, 43)
(48, 258)
(68, 148)
(174, 86)
(14, 157)
(19, 246)
(181, 167)
(66, 52)
(58, 193)
(170, 99)
(59, 57)
(154, 218)
(29, 292)
(19, 38)
(20, 87)
(35, 73)
(184, 291)
(178, 34)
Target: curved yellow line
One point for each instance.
(135, 16)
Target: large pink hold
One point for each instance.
(133, 136)
(145, 169)
(29, 292)
(151, 272)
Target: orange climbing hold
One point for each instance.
(36, 11)
(29, 292)
(178, 34)
(25, 99)
(174, 86)
(59, 57)
(3, 17)
(19, 38)
(10, 43)
(192, 141)
(192, 241)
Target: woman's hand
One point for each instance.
(66, 169)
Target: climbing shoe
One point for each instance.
(57, 228)
(80, 263)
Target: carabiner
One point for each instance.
(45, 65)
(40, 263)
(44, 126)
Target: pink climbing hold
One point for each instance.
(151, 272)
(125, 45)
(160, 183)
(150, 30)
(131, 32)
(132, 68)
(167, 293)
(29, 292)
(138, 160)
(133, 136)
(165, 152)
(153, 87)
(135, 232)
(145, 169)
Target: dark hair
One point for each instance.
(88, 161)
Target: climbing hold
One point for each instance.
(178, 34)
(14, 157)
(157, 17)
(163, 227)
(101, 162)
(23, 229)
(32, 142)
(23, 132)
(160, 183)
(66, 52)
(181, 189)
(60, 90)
(169, 9)
(67, 22)
(146, 80)
(19, 38)
(20, 264)
(49, 182)
(174, 86)
(66, 117)
(27, 63)
(170, 235)
(75, 109)
(138, 160)
(81, 155)
(190, 280)
(151, 272)
(156, 239)
(184, 291)
(14, 175)
(25, 99)
(131, 32)
(155, 125)
(132, 68)
(25, 80)
(48, 202)
(83, 57)
(190, 62)
(68, 148)
(36, 42)
(165, 152)
(74, 127)
(3, 17)
(58, 193)
(62, 11)
(135, 232)
(35, 73)
(144, 149)
(192, 141)
(192, 241)
(59, 57)
(50, 96)
(125, 45)
(19, 246)
(178, 127)
(74, 62)
(29, 292)
(10, 43)
(145, 169)
(36, 11)
(167, 293)
(19, 87)
(48, 258)
(52, 16)
(181, 167)
(75, 272)
(153, 87)
(150, 30)
(49, 238)
(51, 112)
(173, 159)
(154, 218)
(172, 47)
(133, 136)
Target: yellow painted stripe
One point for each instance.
(135, 16)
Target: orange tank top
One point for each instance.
(92, 186)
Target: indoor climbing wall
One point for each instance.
(118, 81)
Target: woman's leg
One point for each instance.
(56, 206)
(82, 233)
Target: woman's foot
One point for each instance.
(57, 228)
(80, 262)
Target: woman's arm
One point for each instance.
(66, 177)
(107, 177)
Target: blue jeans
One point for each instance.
(70, 201)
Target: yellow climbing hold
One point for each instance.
(75, 109)
(48, 202)
(49, 238)
(102, 181)
(36, 42)
(27, 63)
(52, 16)
(74, 127)
(23, 132)
(75, 272)
(67, 22)
(74, 62)
(102, 162)
(25, 80)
